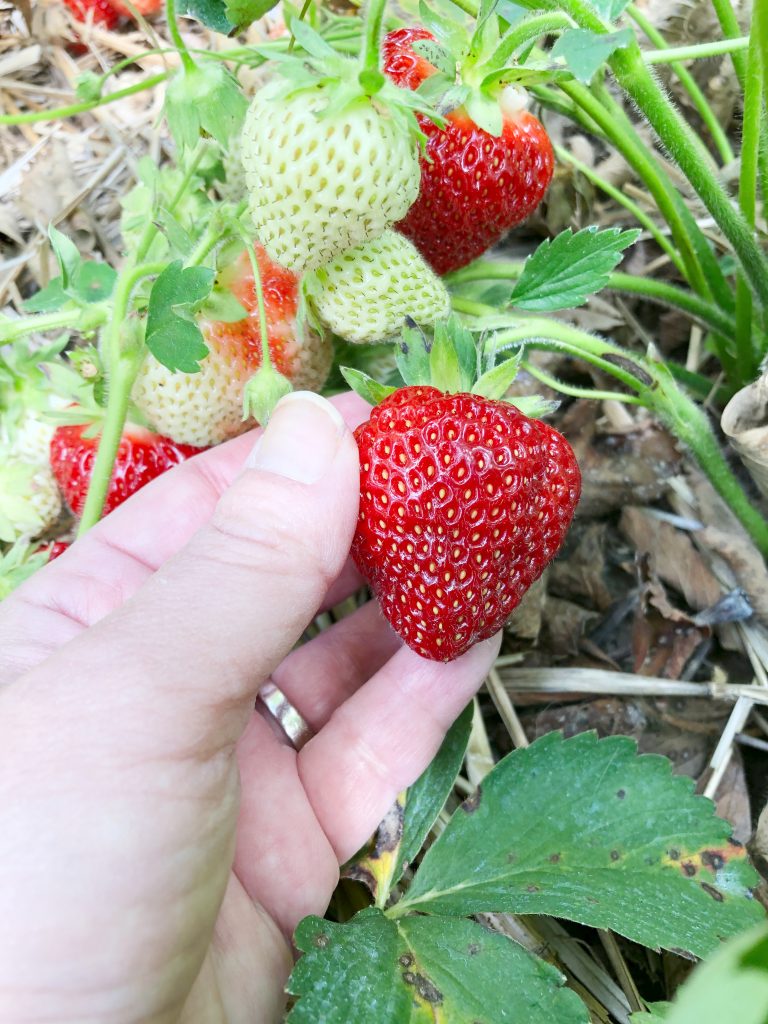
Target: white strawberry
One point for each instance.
(365, 294)
(206, 408)
(30, 501)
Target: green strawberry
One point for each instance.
(330, 157)
(366, 293)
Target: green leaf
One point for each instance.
(422, 969)
(565, 271)
(221, 305)
(401, 835)
(732, 986)
(412, 357)
(587, 830)
(67, 256)
(211, 13)
(453, 357)
(176, 342)
(485, 112)
(95, 281)
(495, 382)
(369, 389)
(47, 299)
(204, 101)
(585, 52)
(243, 13)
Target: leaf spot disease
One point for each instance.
(689, 869)
(621, 793)
(429, 992)
(321, 939)
(406, 960)
(474, 948)
(532, 888)
(710, 890)
(554, 858)
(615, 855)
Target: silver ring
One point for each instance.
(285, 714)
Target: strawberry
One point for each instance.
(146, 8)
(330, 161)
(100, 12)
(30, 502)
(58, 547)
(464, 500)
(475, 185)
(366, 293)
(141, 456)
(206, 408)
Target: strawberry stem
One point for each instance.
(374, 18)
(266, 355)
(176, 37)
(84, 319)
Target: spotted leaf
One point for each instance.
(586, 830)
(422, 969)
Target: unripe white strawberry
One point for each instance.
(30, 501)
(206, 408)
(365, 294)
(320, 182)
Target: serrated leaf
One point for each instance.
(369, 389)
(437, 56)
(565, 271)
(402, 833)
(243, 13)
(589, 831)
(211, 13)
(176, 342)
(422, 969)
(67, 256)
(585, 52)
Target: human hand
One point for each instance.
(160, 839)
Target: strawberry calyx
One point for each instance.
(343, 82)
(451, 361)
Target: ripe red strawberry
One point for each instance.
(58, 547)
(141, 457)
(101, 12)
(464, 500)
(474, 186)
(145, 7)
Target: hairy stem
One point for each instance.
(176, 37)
(31, 117)
(85, 319)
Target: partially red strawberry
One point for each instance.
(58, 547)
(101, 12)
(464, 499)
(474, 186)
(206, 407)
(141, 456)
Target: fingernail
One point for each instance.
(301, 439)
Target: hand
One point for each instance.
(160, 838)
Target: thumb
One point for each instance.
(209, 627)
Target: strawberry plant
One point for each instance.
(342, 217)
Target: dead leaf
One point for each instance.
(745, 424)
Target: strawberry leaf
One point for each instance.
(495, 382)
(565, 271)
(437, 56)
(369, 389)
(585, 52)
(211, 13)
(243, 13)
(412, 357)
(47, 299)
(610, 9)
(174, 341)
(422, 968)
(402, 833)
(453, 357)
(586, 830)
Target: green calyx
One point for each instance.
(344, 82)
(474, 68)
(262, 393)
(20, 562)
(452, 361)
(204, 101)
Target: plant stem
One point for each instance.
(373, 22)
(122, 372)
(687, 80)
(576, 392)
(750, 145)
(671, 54)
(528, 31)
(31, 117)
(732, 30)
(302, 16)
(618, 196)
(659, 393)
(176, 38)
(643, 162)
(266, 355)
(85, 319)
